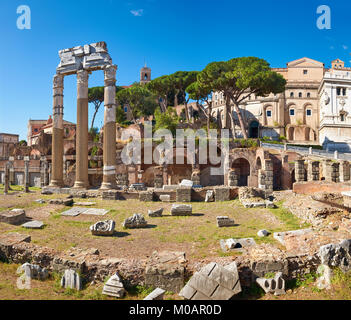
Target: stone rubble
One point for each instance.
(274, 285)
(210, 196)
(72, 280)
(155, 213)
(14, 217)
(263, 233)
(181, 210)
(33, 225)
(225, 221)
(213, 282)
(33, 271)
(157, 294)
(236, 244)
(103, 228)
(136, 221)
(114, 287)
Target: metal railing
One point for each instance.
(333, 155)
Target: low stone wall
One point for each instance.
(312, 187)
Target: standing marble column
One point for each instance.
(109, 147)
(7, 179)
(26, 175)
(82, 131)
(57, 133)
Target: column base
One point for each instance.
(80, 185)
(108, 186)
(56, 184)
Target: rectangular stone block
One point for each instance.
(183, 194)
(222, 194)
(146, 196)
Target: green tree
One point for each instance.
(201, 93)
(161, 87)
(180, 80)
(166, 120)
(140, 100)
(96, 97)
(239, 78)
(120, 115)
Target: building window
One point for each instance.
(292, 112)
(291, 94)
(308, 112)
(344, 91)
(300, 94)
(308, 95)
(341, 91)
(125, 109)
(342, 117)
(269, 113)
(305, 71)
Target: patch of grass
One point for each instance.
(269, 275)
(252, 292)
(140, 291)
(301, 281)
(284, 215)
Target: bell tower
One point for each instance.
(145, 74)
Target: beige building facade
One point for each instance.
(7, 141)
(293, 113)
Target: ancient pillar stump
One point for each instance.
(26, 175)
(300, 170)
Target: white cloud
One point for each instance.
(345, 47)
(137, 13)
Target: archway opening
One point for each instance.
(253, 129)
(242, 166)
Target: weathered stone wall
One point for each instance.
(222, 194)
(183, 194)
(312, 187)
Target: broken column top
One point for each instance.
(89, 57)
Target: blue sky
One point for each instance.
(169, 35)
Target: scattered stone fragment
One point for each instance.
(181, 210)
(33, 224)
(114, 287)
(165, 198)
(73, 212)
(325, 276)
(224, 221)
(213, 282)
(87, 204)
(65, 202)
(33, 271)
(155, 213)
(40, 201)
(263, 233)
(14, 217)
(210, 196)
(274, 285)
(281, 235)
(336, 255)
(95, 212)
(71, 279)
(157, 294)
(103, 228)
(186, 183)
(236, 244)
(136, 221)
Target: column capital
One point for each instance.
(58, 81)
(110, 72)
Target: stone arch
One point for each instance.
(291, 133)
(267, 107)
(243, 168)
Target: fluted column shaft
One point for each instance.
(57, 133)
(109, 146)
(82, 131)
